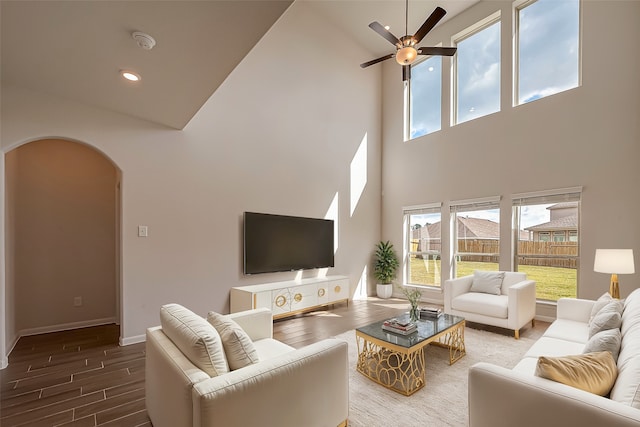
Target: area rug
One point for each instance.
(443, 400)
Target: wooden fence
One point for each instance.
(545, 254)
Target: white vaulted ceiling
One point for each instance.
(75, 49)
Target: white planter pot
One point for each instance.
(384, 290)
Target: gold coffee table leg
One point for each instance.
(454, 340)
(400, 371)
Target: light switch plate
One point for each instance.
(143, 231)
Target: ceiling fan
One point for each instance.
(406, 50)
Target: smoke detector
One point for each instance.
(145, 41)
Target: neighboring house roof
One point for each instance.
(468, 228)
(564, 223)
(563, 205)
(478, 228)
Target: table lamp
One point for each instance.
(614, 262)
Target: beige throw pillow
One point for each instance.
(488, 282)
(238, 347)
(593, 372)
(195, 338)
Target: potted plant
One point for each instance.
(385, 268)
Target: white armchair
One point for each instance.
(308, 386)
(512, 306)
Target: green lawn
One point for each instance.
(551, 282)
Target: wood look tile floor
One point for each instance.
(82, 378)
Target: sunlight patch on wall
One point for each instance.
(361, 289)
(332, 213)
(358, 173)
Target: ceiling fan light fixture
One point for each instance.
(406, 55)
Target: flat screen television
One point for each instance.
(286, 243)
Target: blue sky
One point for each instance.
(548, 47)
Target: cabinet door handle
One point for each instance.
(337, 289)
(321, 292)
(298, 297)
(281, 300)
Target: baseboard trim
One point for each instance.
(545, 319)
(66, 326)
(132, 340)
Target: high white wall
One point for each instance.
(586, 137)
(278, 136)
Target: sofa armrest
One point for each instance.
(169, 376)
(455, 287)
(499, 397)
(257, 323)
(575, 309)
(522, 303)
(305, 387)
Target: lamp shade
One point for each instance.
(614, 261)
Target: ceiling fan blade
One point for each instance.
(428, 25)
(375, 61)
(378, 28)
(443, 51)
(406, 73)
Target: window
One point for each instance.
(552, 263)
(547, 48)
(423, 245)
(425, 97)
(477, 70)
(476, 235)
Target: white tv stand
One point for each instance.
(291, 297)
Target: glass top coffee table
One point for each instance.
(397, 361)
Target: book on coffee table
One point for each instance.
(430, 312)
(399, 327)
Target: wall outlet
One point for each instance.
(77, 301)
(143, 231)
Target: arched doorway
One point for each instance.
(62, 245)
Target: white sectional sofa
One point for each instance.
(500, 397)
(285, 387)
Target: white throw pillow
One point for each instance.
(604, 299)
(238, 347)
(605, 319)
(608, 340)
(488, 282)
(195, 338)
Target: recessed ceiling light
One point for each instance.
(130, 75)
(386, 27)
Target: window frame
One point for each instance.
(518, 6)
(407, 252)
(455, 40)
(469, 205)
(408, 97)
(572, 194)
